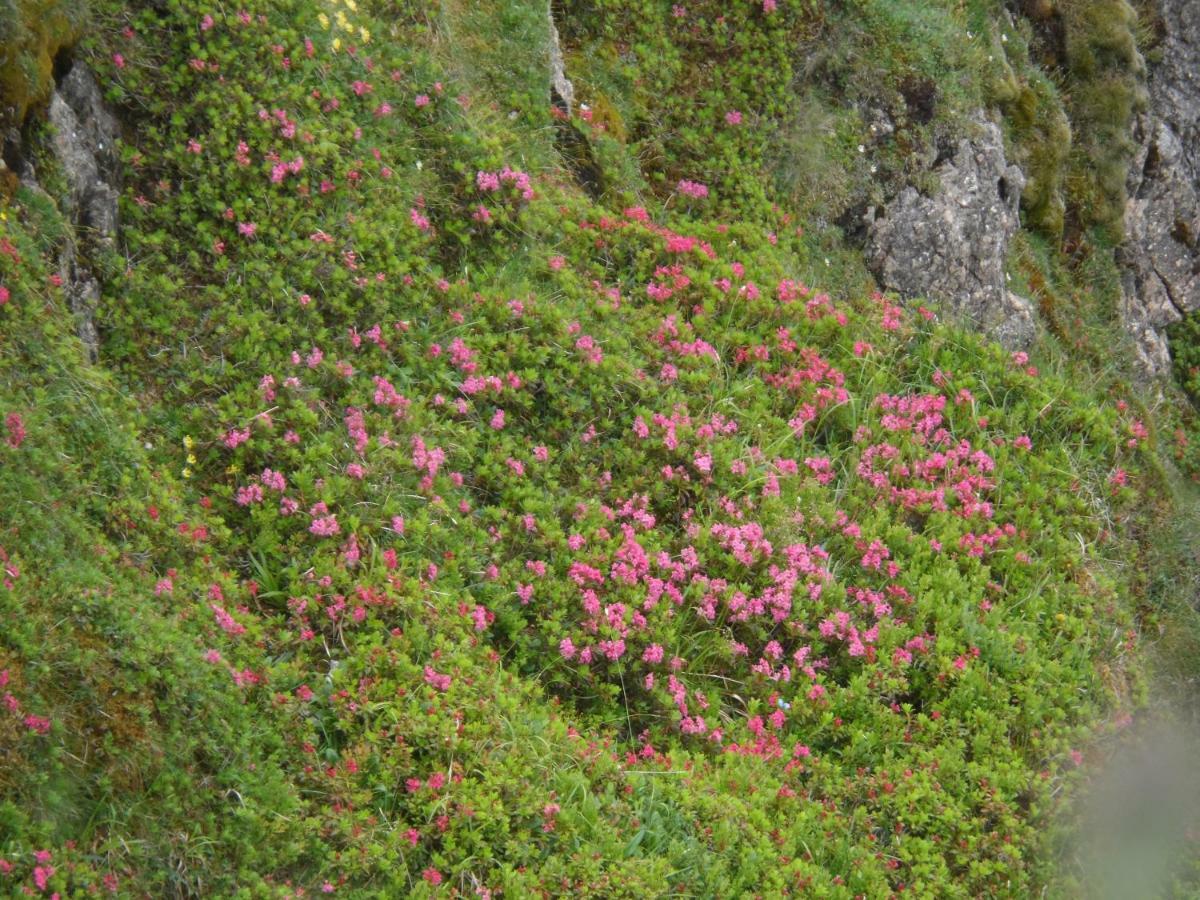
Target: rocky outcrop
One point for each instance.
(952, 245)
(1161, 253)
(84, 136)
(562, 92)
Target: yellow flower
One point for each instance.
(343, 23)
(324, 20)
(365, 35)
(187, 473)
(231, 470)
(191, 458)
(337, 43)
(188, 443)
(352, 6)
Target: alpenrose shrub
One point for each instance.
(503, 542)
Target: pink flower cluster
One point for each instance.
(489, 182)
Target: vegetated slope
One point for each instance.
(466, 534)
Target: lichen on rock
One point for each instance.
(84, 135)
(1161, 254)
(952, 245)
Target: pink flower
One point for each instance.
(249, 495)
(247, 229)
(432, 875)
(692, 189)
(233, 437)
(228, 624)
(769, 6)
(4, 295)
(274, 480)
(653, 654)
(16, 430)
(118, 60)
(325, 526)
(422, 100)
(206, 23)
(436, 679)
(733, 117)
(497, 420)
(42, 876)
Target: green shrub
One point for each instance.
(436, 528)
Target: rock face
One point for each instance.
(84, 143)
(1161, 253)
(952, 245)
(562, 92)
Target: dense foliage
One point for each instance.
(435, 527)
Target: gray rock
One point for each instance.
(1161, 253)
(952, 245)
(562, 92)
(85, 137)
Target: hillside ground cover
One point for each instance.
(435, 526)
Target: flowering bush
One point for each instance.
(471, 536)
